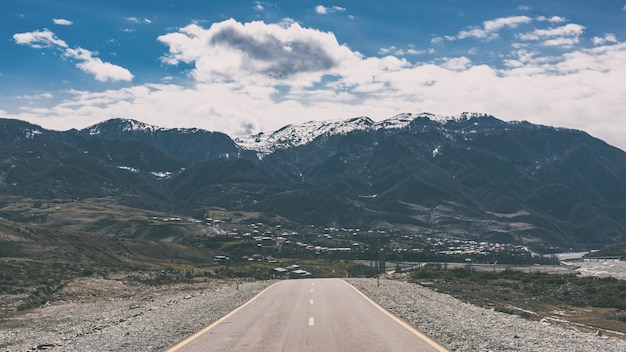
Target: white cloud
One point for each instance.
(414, 52)
(102, 71)
(46, 95)
(562, 42)
(565, 36)
(255, 51)
(608, 38)
(138, 20)
(392, 50)
(557, 19)
(39, 39)
(569, 30)
(456, 64)
(258, 6)
(490, 28)
(62, 22)
(323, 10)
(239, 88)
(553, 19)
(524, 8)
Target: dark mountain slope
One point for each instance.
(473, 176)
(480, 170)
(47, 170)
(184, 144)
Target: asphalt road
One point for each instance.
(309, 315)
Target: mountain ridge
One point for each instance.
(470, 176)
(295, 135)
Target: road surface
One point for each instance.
(309, 315)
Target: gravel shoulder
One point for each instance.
(116, 315)
(99, 314)
(464, 327)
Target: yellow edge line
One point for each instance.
(217, 322)
(404, 324)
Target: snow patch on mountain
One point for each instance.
(398, 121)
(161, 174)
(436, 151)
(134, 125)
(128, 168)
(30, 134)
(404, 120)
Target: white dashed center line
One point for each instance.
(311, 301)
(311, 321)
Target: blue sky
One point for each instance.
(242, 67)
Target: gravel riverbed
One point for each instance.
(114, 315)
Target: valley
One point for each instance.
(433, 200)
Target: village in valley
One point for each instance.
(285, 250)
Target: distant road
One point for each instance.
(309, 315)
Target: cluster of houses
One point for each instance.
(293, 271)
(469, 247)
(326, 240)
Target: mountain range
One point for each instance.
(471, 176)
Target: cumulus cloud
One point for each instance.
(239, 89)
(323, 10)
(102, 71)
(608, 38)
(456, 64)
(572, 29)
(565, 36)
(256, 51)
(490, 28)
(62, 22)
(392, 50)
(39, 39)
(553, 19)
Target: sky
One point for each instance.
(242, 67)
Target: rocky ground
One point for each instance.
(116, 314)
(465, 327)
(99, 314)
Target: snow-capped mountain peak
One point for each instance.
(404, 120)
(124, 125)
(300, 134)
(296, 135)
